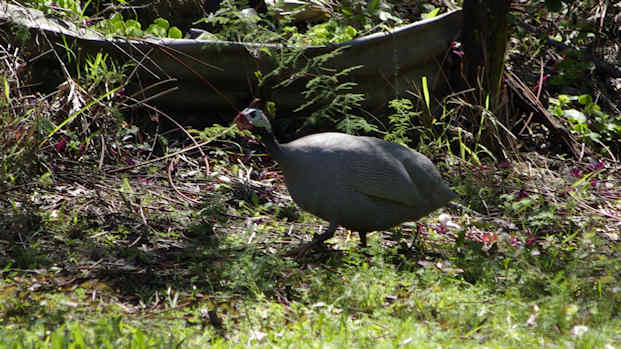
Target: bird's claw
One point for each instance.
(301, 250)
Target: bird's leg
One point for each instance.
(363, 238)
(317, 240)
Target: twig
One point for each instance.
(168, 51)
(599, 63)
(103, 151)
(523, 91)
(170, 155)
(184, 131)
(539, 88)
(172, 184)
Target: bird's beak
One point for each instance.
(242, 122)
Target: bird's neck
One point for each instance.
(272, 145)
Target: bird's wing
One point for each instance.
(371, 166)
(381, 175)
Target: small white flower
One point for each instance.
(532, 319)
(445, 220)
(257, 335)
(406, 341)
(578, 330)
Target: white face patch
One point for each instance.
(257, 118)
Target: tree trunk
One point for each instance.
(485, 39)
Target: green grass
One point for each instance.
(88, 272)
(376, 299)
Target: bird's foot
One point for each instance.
(301, 250)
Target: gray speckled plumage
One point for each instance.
(360, 183)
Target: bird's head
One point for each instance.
(250, 118)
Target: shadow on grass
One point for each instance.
(138, 265)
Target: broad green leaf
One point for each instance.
(585, 100)
(156, 30)
(174, 33)
(162, 23)
(373, 5)
(431, 14)
(116, 17)
(575, 116)
(132, 23)
(133, 28)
